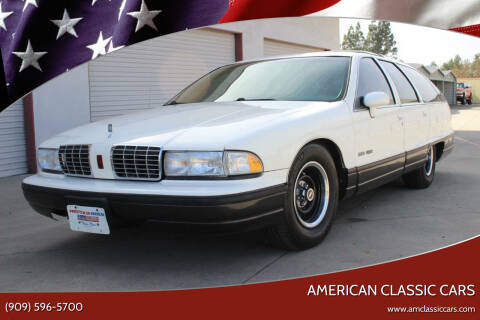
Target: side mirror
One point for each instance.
(375, 99)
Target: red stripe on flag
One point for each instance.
(258, 9)
(472, 30)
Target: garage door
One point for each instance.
(149, 73)
(450, 92)
(13, 156)
(447, 88)
(279, 48)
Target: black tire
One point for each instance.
(422, 178)
(464, 100)
(305, 223)
(469, 101)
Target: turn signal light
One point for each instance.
(255, 163)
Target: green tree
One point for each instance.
(464, 68)
(447, 65)
(454, 63)
(476, 66)
(354, 39)
(380, 39)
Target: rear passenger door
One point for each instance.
(416, 115)
(433, 101)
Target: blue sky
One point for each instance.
(424, 45)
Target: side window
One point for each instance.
(404, 88)
(371, 79)
(425, 87)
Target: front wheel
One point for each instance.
(311, 202)
(422, 178)
(464, 100)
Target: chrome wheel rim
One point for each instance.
(311, 194)
(429, 164)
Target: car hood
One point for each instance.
(187, 123)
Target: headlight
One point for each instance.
(243, 163)
(214, 164)
(194, 164)
(48, 160)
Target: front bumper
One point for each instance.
(253, 208)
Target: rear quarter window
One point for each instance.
(427, 90)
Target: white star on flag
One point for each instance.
(29, 57)
(98, 48)
(66, 25)
(32, 2)
(145, 17)
(3, 16)
(94, 1)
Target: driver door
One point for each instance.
(379, 139)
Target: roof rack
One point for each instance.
(367, 52)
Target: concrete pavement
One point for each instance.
(38, 254)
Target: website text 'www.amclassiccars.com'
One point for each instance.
(430, 309)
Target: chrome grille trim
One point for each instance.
(75, 160)
(136, 162)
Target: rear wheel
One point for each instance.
(311, 202)
(422, 178)
(470, 100)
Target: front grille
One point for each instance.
(74, 159)
(136, 162)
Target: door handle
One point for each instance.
(400, 118)
(424, 114)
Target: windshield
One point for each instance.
(294, 79)
(459, 85)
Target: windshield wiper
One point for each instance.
(258, 99)
(173, 102)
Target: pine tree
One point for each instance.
(463, 68)
(354, 39)
(476, 66)
(380, 39)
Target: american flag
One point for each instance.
(40, 39)
(88, 218)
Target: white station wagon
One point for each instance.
(272, 143)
